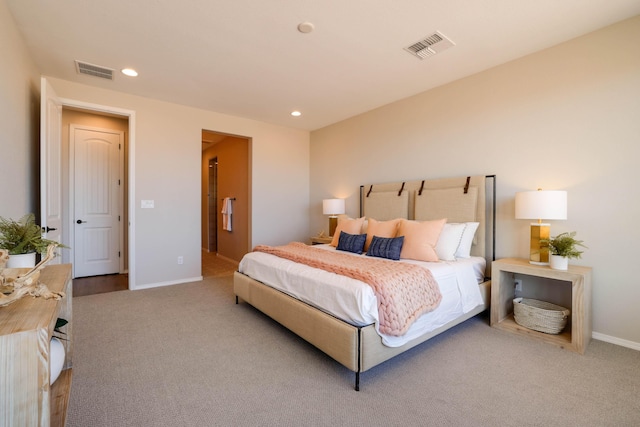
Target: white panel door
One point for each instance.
(96, 160)
(50, 164)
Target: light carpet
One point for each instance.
(187, 355)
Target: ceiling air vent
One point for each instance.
(430, 45)
(94, 70)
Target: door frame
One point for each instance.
(131, 116)
(72, 193)
(213, 196)
(51, 209)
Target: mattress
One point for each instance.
(355, 302)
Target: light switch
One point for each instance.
(147, 204)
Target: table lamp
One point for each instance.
(333, 208)
(540, 205)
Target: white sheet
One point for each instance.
(354, 301)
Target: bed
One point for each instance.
(288, 292)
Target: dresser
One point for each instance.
(26, 327)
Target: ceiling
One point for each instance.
(247, 58)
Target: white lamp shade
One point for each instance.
(541, 204)
(333, 206)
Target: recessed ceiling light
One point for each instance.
(296, 113)
(129, 72)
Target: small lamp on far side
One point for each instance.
(540, 205)
(333, 208)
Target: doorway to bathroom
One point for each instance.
(226, 174)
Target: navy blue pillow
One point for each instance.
(384, 247)
(351, 242)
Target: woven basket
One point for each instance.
(540, 315)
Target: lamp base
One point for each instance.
(539, 252)
(333, 223)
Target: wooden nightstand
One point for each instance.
(576, 282)
(321, 240)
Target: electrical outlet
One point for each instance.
(180, 260)
(518, 284)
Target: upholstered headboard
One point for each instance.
(461, 199)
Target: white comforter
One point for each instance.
(354, 301)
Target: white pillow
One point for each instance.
(464, 249)
(449, 241)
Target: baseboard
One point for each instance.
(614, 340)
(168, 283)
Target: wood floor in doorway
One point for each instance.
(212, 266)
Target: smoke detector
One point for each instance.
(305, 27)
(430, 45)
(94, 70)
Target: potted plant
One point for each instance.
(563, 247)
(23, 239)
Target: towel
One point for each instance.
(227, 210)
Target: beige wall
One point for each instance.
(166, 153)
(564, 118)
(19, 123)
(233, 181)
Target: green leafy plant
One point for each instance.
(564, 244)
(23, 236)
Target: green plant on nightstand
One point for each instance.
(563, 247)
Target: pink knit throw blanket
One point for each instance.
(404, 291)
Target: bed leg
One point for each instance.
(359, 359)
(236, 299)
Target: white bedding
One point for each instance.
(354, 301)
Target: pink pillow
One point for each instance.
(348, 225)
(420, 239)
(381, 229)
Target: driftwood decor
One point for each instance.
(16, 283)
